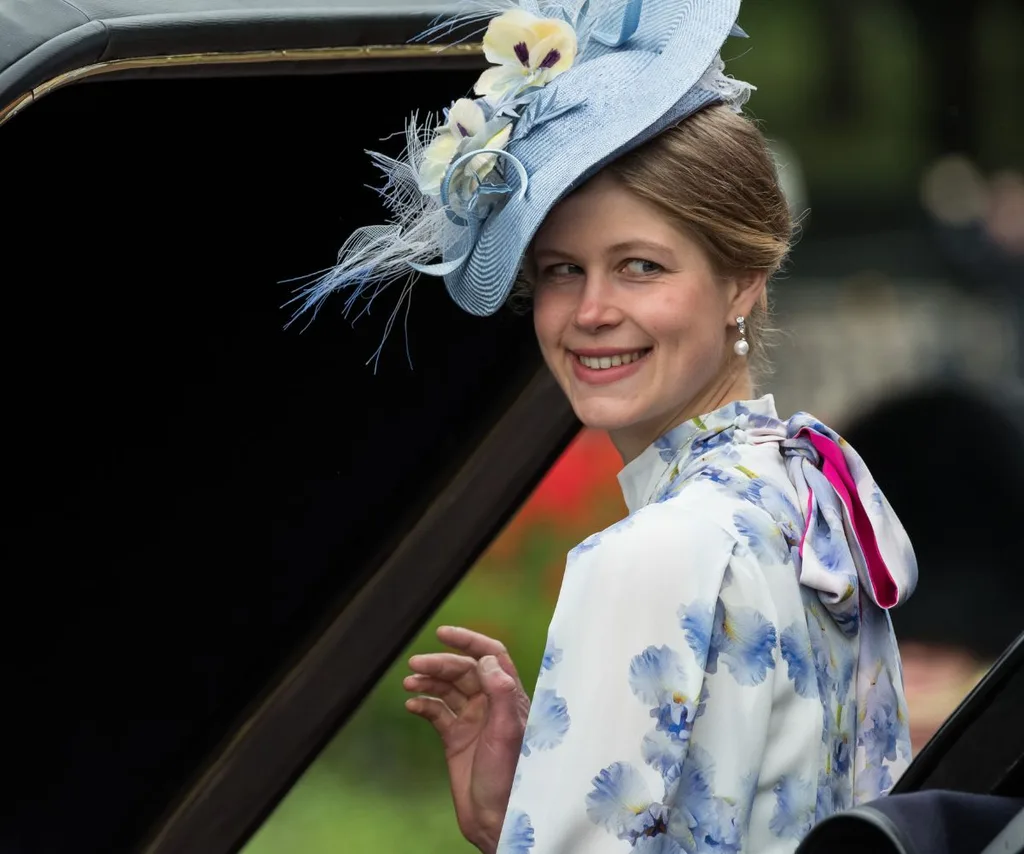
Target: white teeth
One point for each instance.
(600, 363)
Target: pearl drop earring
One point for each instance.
(741, 347)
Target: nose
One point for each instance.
(596, 308)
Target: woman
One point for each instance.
(720, 669)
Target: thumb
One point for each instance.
(495, 682)
(504, 719)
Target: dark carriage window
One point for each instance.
(187, 487)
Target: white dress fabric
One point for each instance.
(720, 671)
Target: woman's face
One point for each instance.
(631, 318)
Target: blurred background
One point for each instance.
(899, 131)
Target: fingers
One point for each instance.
(470, 642)
(494, 681)
(449, 677)
(433, 710)
(443, 665)
(459, 671)
(478, 645)
(454, 698)
(508, 706)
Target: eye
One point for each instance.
(641, 267)
(561, 271)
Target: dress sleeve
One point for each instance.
(651, 712)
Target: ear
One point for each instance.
(745, 290)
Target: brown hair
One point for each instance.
(714, 176)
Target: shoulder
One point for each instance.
(693, 533)
(750, 495)
(719, 516)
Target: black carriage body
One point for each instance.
(218, 532)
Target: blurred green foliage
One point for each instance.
(875, 146)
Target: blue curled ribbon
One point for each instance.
(445, 267)
(631, 21)
(628, 26)
(524, 179)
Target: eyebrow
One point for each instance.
(634, 245)
(614, 249)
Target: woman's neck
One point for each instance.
(633, 440)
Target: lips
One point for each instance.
(606, 366)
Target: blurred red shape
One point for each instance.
(579, 494)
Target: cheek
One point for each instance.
(687, 319)
(548, 320)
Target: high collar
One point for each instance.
(640, 479)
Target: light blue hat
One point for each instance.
(573, 86)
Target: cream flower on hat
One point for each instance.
(465, 120)
(436, 158)
(466, 129)
(526, 51)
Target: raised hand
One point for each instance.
(476, 702)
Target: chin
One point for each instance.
(611, 419)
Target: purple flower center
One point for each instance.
(550, 60)
(462, 128)
(522, 53)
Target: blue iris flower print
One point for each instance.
(701, 822)
(717, 475)
(831, 548)
(840, 791)
(517, 837)
(706, 444)
(844, 668)
(693, 820)
(825, 804)
(887, 737)
(663, 752)
(763, 535)
(795, 801)
(873, 779)
(660, 844)
(742, 637)
(552, 656)
(548, 722)
(658, 678)
(621, 803)
(777, 504)
(745, 640)
(698, 621)
(795, 645)
(841, 754)
(595, 540)
(758, 421)
(591, 542)
(669, 445)
(834, 667)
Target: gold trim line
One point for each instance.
(253, 57)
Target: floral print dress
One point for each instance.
(721, 670)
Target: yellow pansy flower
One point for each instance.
(434, 165)
(465, 120)
(526, 51)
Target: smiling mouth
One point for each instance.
(602, 363)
